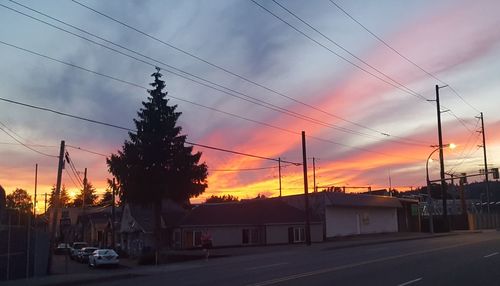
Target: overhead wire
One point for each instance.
(250, 169)
(72, 167)
(226, 70)
(401, 55)
(87, 150)
(31, 145)
(396, 84)
(176, 98)
(22, 143)
(232, 92)
(73, 181)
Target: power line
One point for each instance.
(71, 178)
(335, 53)
(400, 54)
(233, 93)
(224, 69)
(249, 169)
(22, 143)
(166, 67)
(65, 114)
(87, 150)
(31, 145)
(194, 144)
(398, 86)
(183, 100)
(408, 90)
(131, 130)
(73, 168)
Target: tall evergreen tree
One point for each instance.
(88, 194)
(154, 164)
(63, 196)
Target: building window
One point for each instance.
(250, 236)
(255, 236)
(299, 234)
(177, 239)
(245, 236)
(196, 238)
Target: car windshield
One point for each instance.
(89, 250)
(106, 252)
(79, 245)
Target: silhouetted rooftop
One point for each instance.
(253, 212)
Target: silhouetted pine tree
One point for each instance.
(154, 164)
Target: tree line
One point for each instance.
(22, 200)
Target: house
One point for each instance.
(66, 222)
(251, 222)
(350, 214)
(137, 226)
(95, 226)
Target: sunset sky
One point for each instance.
(344, 105)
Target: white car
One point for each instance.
(103, 257)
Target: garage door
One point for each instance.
(341, 222)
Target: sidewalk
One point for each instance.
(134, 270)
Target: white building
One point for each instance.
(350, 214)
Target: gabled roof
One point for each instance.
(254, 212)
(171, 214)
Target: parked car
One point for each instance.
(75, 247)
(103, 257)
(62, 248)
(84, 253)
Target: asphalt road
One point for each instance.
(467, 259)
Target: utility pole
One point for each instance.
(113, 188)
(306, 191)
(390, 184)
(441, 163)
(84, 194)
(34, 222)
(36, 180)
(55, 206)
(486, 179)
(314, 175)
(279, 173)
(45, 205)
(462, 198)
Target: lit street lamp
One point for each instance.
(430, 206)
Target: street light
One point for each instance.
(430, 207)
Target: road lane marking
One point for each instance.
(410, 282)
(490, 255)
(353, 265)
(266, 266)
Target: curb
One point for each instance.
(393, 240)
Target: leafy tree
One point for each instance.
(154, 164)
(221, 199)
(63, 196)
(260, 196)
(20, 199)
(87, 195)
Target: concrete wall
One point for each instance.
(342, 221)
